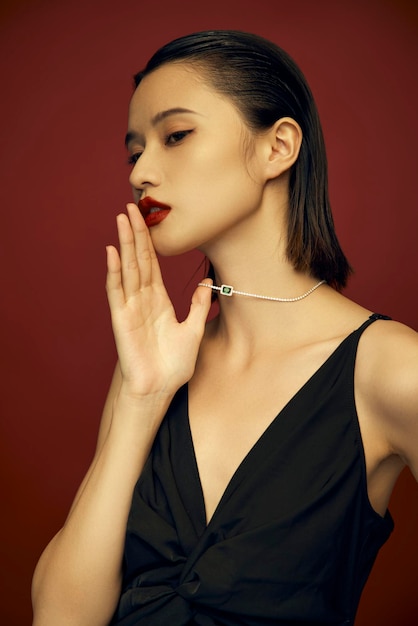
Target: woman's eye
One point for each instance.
(134, 158)
(174, 138)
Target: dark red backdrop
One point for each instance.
(66, 80)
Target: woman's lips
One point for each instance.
(153, 211)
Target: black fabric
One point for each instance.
(292, 540)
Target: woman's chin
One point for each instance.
(170, 248)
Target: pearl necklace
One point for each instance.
(228, 290)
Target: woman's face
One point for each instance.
(186, 144)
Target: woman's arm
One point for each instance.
(78, 577)
(77, 580)
(399, 393)
(389, 388)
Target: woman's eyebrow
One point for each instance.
(163, 114)
(159, 117)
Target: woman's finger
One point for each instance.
(114, 286)
(141, 238)
(149, 266)
(128, 257)
(199, 309)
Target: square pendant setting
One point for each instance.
(227, 290)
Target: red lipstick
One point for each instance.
(153, 211)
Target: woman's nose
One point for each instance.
(144, 173)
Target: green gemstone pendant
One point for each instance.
(227, 290)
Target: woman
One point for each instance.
(267, 441)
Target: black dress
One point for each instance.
(294, 536)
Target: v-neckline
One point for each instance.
(264, 435)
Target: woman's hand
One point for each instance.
(156, 352)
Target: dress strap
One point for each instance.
(370, 320)
(379, 316)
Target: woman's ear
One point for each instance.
(282, 150)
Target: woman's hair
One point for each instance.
(265, 84)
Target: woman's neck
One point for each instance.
(251, 323)
(252, 258)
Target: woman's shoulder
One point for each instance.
(386, 375)
(387, 379)
(385, 339)
(391, 347)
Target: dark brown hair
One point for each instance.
(265, 84)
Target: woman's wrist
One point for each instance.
(143, 410)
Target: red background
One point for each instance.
(66, 72)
